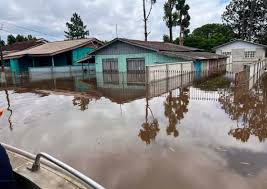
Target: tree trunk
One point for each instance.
(145, 19)
(181, 38)
(171, 37)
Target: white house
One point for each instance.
(241, 52)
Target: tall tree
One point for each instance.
(246, 17)
(183, 19)
(11, 39)
(170, 16)
(146, 16)
(76, 28)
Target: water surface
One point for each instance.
(123, 136)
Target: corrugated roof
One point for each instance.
(167, 49)
(160, 46)
(230, 42)
(193, 55)
(52, 48)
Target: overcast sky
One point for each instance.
(101, 17)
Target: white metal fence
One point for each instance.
(162, 71)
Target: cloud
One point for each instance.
(101, 17)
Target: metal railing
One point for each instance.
(37, 165)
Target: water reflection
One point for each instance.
(150, 128)
(249, 109)
(82, 102)
(9, 110)
(175, 109)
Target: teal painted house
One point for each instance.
(52, 54)
(130, 56)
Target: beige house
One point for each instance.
(241, 52)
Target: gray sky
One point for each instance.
(101, 17)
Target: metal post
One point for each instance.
(53, 63)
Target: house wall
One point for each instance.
(237, 56)
(123, 51)
(150, 58)
(80, 53)
(14, 65)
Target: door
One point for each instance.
(110, 65)
(198, 69)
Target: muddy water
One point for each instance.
(124, 137)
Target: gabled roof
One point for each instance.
(19, 46)
(239, 40)
(53, 48)
(167, 49)
(151, 45)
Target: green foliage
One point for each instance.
(213, 84)
(183, 19)
(166, 39)
(246, 18)
(76, 28)
(19, 38)
(170, 16)
(2, 43)
(209, 36)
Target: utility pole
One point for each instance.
(1, 51)
(145, 19)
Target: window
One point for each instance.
(110, 65)
(227, 53)
(135, 65)
(250, 54)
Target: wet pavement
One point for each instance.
(127, 135)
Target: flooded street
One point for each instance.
(203, 135)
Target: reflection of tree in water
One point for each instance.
(149, 129)
(82, 102)
(8, 109)
(175, 109)
(249, 109)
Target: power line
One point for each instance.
(32, 30)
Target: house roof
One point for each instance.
(52, 48)
(190, 56)
(167, 49)
(19, 46)
(239, 40)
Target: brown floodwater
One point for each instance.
(125, 135)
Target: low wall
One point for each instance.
(161, 71)
(61, 69)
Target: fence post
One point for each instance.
(147, 74)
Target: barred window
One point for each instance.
(250, 54)
(227, 53)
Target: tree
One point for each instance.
(2, 43)
(19, 38)
(183, 19)
(11, 39)
(166, 39)
(246, 17)
(76, 28)
(209, 36)
(146, 16)
(170, 17)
